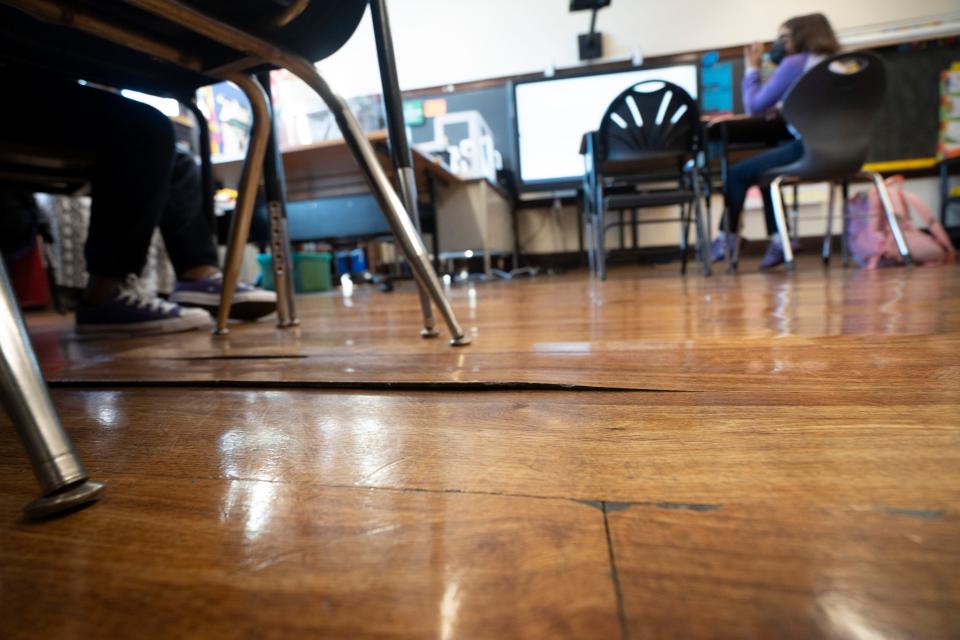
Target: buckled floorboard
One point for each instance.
(766, 456)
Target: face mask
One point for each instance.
(778, 51)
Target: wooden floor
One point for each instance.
(759, 456)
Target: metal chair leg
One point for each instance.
(684, 237)
(280, 264)
(845, 219)
(391, 205)
(275, 189)
(600, 231)
(703, 236)
(795, 214)
(246, 197)
(891, 216)
(399, 146)
(778, 214)
(732, 252)
(590, 239)
(63, 480)
(828, 238)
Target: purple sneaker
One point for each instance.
(249, 303)
(774, 255)
(721, 245)
(135, 310)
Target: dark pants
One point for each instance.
(139, 180)
(746, 174)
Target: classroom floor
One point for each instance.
(765, 455)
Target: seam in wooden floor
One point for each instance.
(606, 506)
(615, 577)
(353, 385)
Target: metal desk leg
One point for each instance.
(275, 188)
(63, 480)
(781, 219)
(391, 205)
(399, 146)
(246, 197)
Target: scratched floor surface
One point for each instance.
(759, 456)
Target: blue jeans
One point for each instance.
(744, 175)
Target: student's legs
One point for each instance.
(747, 173)
(185, 228)
(132, 144)
(134, 148)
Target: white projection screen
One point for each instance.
(552, 116)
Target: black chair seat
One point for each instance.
(25, 42)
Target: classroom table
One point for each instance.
(472, 215)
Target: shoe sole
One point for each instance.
(239, 310)
(153, 327)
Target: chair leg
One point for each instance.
(891, 216)
(275, 189)
(588, 240)
(62, 478)
(400, 149)
(777, 196)
(403, 230)
(845, 220)
(703, 235)
(684, 236)
(246, 197)
(732, 253)
(828, 238)
(600, 232)
(281, 265)
(795, 214)
(393, 208)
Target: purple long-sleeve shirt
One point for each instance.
(759, 97)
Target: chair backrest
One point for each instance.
(833, 108)
(650, 120)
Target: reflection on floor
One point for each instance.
(653, 456)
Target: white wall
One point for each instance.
(448, 41)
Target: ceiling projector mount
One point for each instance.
(591, 44)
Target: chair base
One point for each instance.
(72, 497)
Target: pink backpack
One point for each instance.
(871, 241)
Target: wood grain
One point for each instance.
(801, 479)
(639, 447)
(778, 570)
(175, 558)
(644, 328)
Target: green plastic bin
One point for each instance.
(311, 272)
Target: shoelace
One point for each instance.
(136, 293)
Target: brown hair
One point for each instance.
(812, 33)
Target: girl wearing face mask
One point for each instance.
(802, 42)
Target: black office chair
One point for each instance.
(833, 108)
(650, 135)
